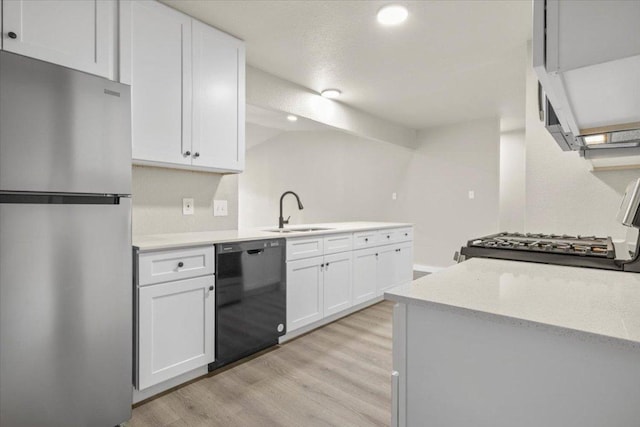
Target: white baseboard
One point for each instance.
(427, 268)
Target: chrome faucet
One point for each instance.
(281, 220)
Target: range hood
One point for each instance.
(586, 55)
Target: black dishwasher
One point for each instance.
(251, 298)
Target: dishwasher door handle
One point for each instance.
(255, 251)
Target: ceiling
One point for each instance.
(451, 61)
(263, 125)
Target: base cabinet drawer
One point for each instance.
(167, 266)
(365, 239)
(299, 248)
(338, 243)
(175, 329)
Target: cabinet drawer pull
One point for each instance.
(12, 35)
(196, 154)
(187, 153)
(210, 288)
(366, 239)
(180, 264)
(388, 237)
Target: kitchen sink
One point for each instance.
(297, 229)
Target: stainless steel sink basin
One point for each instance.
(297, 229)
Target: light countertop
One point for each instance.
(175, 240)
(589, 301)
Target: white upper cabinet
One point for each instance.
(160, 78)
(76, 34)
(218, 99)
(188, 91)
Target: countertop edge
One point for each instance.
(260, 235)
(403, 299)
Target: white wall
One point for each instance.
(157, 200)
(339, 177)
(450, 162)
(562, 194)
(512, 181)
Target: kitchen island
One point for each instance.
(503, 343)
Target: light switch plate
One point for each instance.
(472, 194)
(220, 208)
(187, 207)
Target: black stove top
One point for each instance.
(584, 246)
(578, 251)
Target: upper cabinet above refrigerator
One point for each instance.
(586, 55)
(81, 35)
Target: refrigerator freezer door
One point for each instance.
(65, 314)
(62, 130)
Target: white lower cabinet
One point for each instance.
(364, 275)
(304, 292)
(175, 329)
(337, 282)
(322, 283)
(386, 268)
(404, 263)
(317, 287)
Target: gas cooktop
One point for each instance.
(578, 251)
(589, 246)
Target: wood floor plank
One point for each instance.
(337, 375)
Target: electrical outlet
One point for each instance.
(394, 196)
(187, 207)
(472, 194)
(220, 208)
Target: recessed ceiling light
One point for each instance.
(330, 93)
(595, 139)
(292, 118)
(392, 14)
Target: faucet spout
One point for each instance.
(281, 220)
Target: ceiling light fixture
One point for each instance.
(392, 14)
(595, 139)
(330, 93)
(292, 118)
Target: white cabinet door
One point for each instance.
(161, 83)
(175, 329)
(364, 275)
(387, 261)
(72, 33)
(337, 282)
(403, 264)
(218, 99)
(304, 292)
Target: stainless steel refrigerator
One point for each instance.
(65, 247)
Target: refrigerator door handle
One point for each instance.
(59, 199)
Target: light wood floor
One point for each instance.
(338, 375)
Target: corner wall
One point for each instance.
(449, 162)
